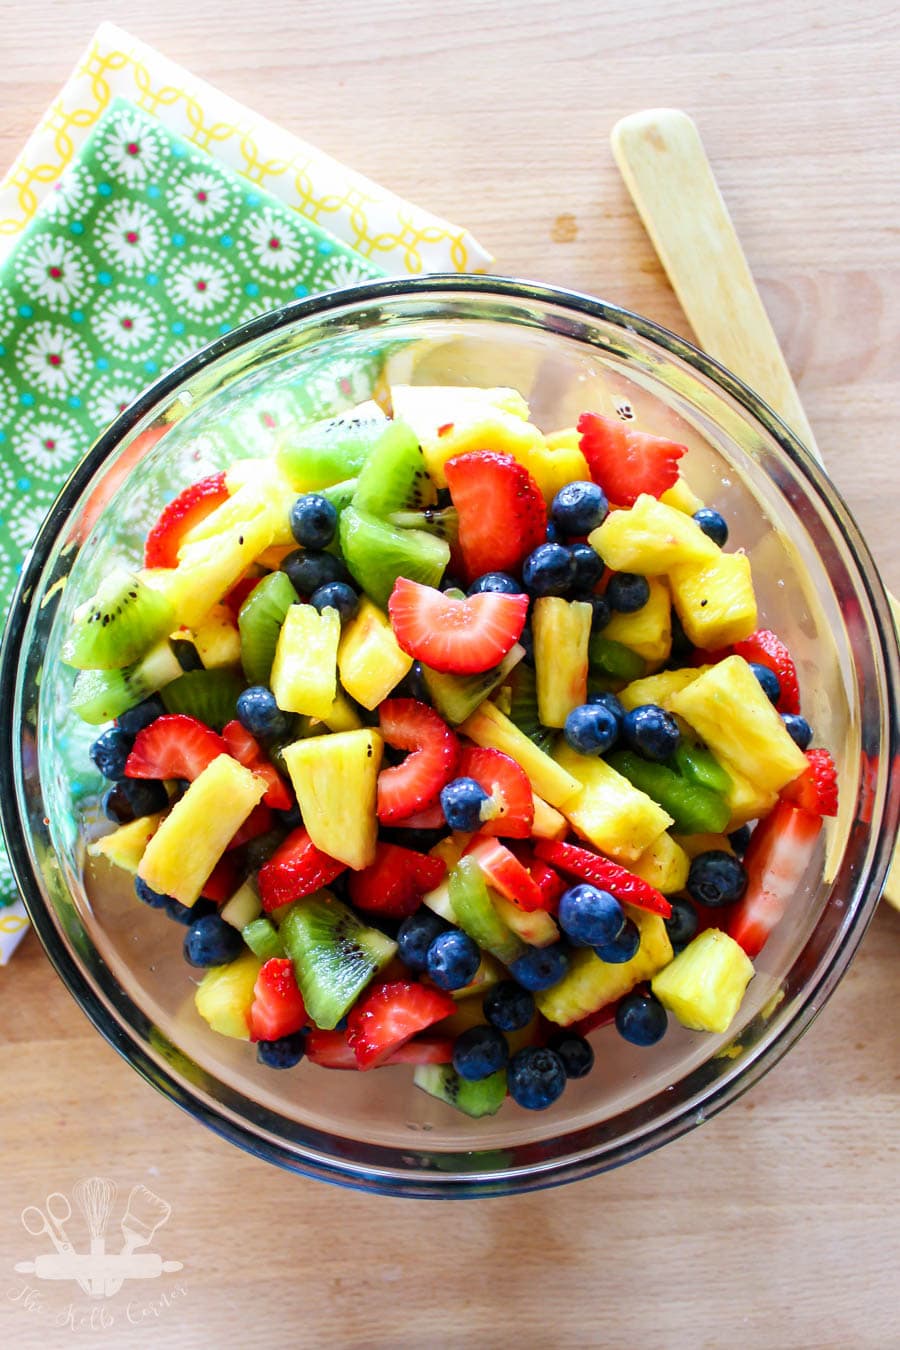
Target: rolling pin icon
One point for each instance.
(98, 1266)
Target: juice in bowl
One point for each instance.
(482, 831)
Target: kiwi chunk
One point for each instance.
(341, 494)
(444, 523)
(259, 621)
(457, 696)
(482, 1098)
(614, 660)
(334, 954)
(523, 709)
(475, 913)
(119, 624)
(394, 477)
(376, 554)
(261, 936)
(209, 695)
(101, 695)
(325, 453)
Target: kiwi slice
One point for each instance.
(261, 936)
(456, 696)
(325, 453)
(482, 1098)
(394, 477)
(334, 954)
(259, 621)
(118, 624)
(377, 554)
(341, 494)
(101, 695)
(523, 709)
(444, 522)
(209, 695)
(614, 660)
(475, 913)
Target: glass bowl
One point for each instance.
(816, 585)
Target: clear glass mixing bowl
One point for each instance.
(816, 585)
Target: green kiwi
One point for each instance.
(456, 696)
(261, 936)
(119, 624)
(394, 477)
(614, 660)
(334, 954)
(443, 523)
(477, 916)
(209, 695)
(341, 494)
(325, 453)
(376, 554)
(101, 695)
(259, 621)
(523, 709)
(481, 1098)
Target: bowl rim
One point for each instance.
(123, 1039)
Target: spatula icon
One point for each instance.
(144, 1213)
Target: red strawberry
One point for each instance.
(459, 637)
(332, 1050)
(816, 789)
(414, 785)
(501, 510)
(507, 783)
(626, 462)
(776, 860)
(600, 871)
(396, 881)
(238, 594)
(174, 746)
(429, 818)
(389, 1015)
(277, 1008)
(506, 874)
(550, 882)
(767, 649)
(296, 868)
(258, 822)
(191, 506)
(247, 751)
(222, 881)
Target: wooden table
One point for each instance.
(776, 1224)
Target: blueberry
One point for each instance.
(259, 850)
(313, 520)
(769, 681)
(283, 1053)
(576, 1054)
(579, 507)
(210, 941)
(681, 924)
(623, 947)
(451, 583)
(627, 592)
(588, 568)
(553, 534)
(682, 647)
(416, 935)
(259, 714)
(110, 751)
(606, 700)
(308, 569)
(187, 655)
(536, 1078)
(508, 1006)
(188, 914)
(541, 967)
(651, 731)
(147, 896)
(590, 917)
(713, 525)
(740, 839)
(133, 797)
(591, 729)
(798, 729)
(716, 878)
(526, 639)
(291, 819)
(461, 802)
(336, 595)
(479, 1052)
(601, 612)
(501, 583)
(549, 570)
(641, 1019)
(412, 685)
(452, 959)
(140, 716)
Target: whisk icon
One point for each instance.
(95, 1197)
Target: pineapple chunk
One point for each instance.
(665, 865)
(342, 715)
(649, 630)
(370, 660)
(209, 568)
(255, 485)
(304, 672)
(224, 996)
(450, 420)
(682, 497)
(217, 639)
(590, 983)
(715, 601)
(536, 927)
(335, 778)
(489, 973)
(706, 982)
(746, 800)
(562, 631)
(608, 811)
(548, 822)
(657, 689)
(197, 830)
(651, 538)
(727, 708)
(488, 726)
(125, 846)
(557, 462)
(695, 844)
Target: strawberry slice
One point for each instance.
(191, 506)
(779, 853)
(174, 746)
(414, 785)
(396, 881)
(550, 882)
(295, 869)
(332, 1050)
(258, 822)
(507, 783)
(626, 462)
(767, 649)
(501, 510)
(277, 1009)
(429, 818)
(600, 871)
(389, 1015)
(247, 751)
(222, 881)
(506, 874)
(816, 789)
(457, 637)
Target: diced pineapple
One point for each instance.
(242, 907)
(209, 568)
(649, 630)
(194, 835)
(548, 822)
(562, 632)
(255, 485)
(665, 865)
(224, 996)
(651, 539)
(273, 556)
(705, 984)
(304, 672)
(657, 689)
(217, 639)
(608, 811)
(695, 844)
(682, 497)
(450, 849)
(335, 778)
(536, 927)
(489, 973)
(728, 709)
(370, 660)
(715, 601)
(556, 462)
(125, 846)
(746, 800)
(489, 727)
(451, 420)
(590, 983)
(342, 715)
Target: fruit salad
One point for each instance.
(453, 745)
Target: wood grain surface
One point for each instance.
(778, 1223)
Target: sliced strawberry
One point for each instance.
(191, 506)
(501, 510)
(816, 789)
(506, 874)
(258, 822)
(332, 1050)
(174, 746)
(626, 462)
(550, 882)
(780, 851)
(423, 1050)
(222, 881)
(389, 1015)
(429, 818)
(277, 1008)
(507, 784)
(295, 869)
(238, 594)
(247, 751)
(767, 649)
(396, 881)
(600, 871)
(457, 637)
(415, 784)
